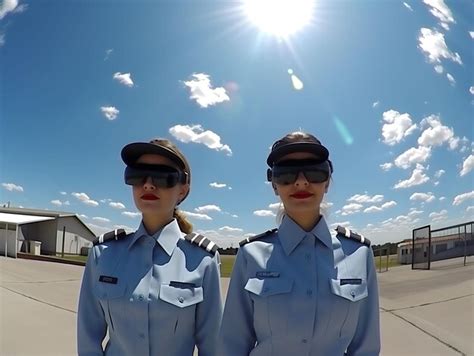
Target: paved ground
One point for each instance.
(422, 312)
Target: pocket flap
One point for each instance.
(181, 297)
(269, 286)
(352, 292)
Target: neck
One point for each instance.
(306, 221)
(155, 222)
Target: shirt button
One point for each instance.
(140, 297)
(304, 341)
(142, 335)
(309, 292)
(353, 294)
(307, 256)
(181, 299)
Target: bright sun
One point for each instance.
(279, 17)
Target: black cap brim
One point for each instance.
(133, 151)
(319, 150)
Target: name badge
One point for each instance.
(183, 285)
(350, 281)
(108, 279)
(267, 274)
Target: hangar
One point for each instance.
(43, 232)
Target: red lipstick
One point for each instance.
(149, 197)
(301, 195)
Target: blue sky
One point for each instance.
(387, 86)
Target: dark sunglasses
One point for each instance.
(287, 172)
(162, 176)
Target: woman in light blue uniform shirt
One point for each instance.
(298, 290)
(155, 291)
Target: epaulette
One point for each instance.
(202, 242)
(111, 235)
(343, 231)
(256, 237)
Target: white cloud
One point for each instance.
(467, 165)
(397, 127)
(414, 212)
(98, 230)
(425, 197)
(439, 69)
(471, 90)
(407, 6)
(116, 205)
(451, 79)
(443, 214)
(110, 112)
(413, 156)
(342, 223)
(469, 208)
(7, 6)
(201, 90)
(461, 198)
(217, 185)
(471, 33)
(56, 202)
(207, 209)
(436, 134)
(124, 78)
(386, 166)
(234, 216)
(63, 193)
(12, 187)
(230, 229)
(364, 198)
(196, 215)
(442, 198)
(442, 12)
(83, 216)
(350, 209)
(108, 52)
(66, 202)
(100, 219)
(83, 197)
(2, 39)
(384, 206)
(275, 206)
(439, 173)
(127, 229)
(432, 43)
(264, 213)
(131, 214)
(196, 134)
(375, 104)
(418, 177)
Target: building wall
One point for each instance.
(7, 240)
(43, 231)
(76, 236)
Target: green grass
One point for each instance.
(227, 263)
(72, 257)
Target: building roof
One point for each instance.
(26, 216)
(19, 219)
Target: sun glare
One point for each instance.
(280, 18)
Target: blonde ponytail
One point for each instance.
(183, 223)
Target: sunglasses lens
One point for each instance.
(316, 176)
(284, 178)
(288, 173)
(161, 176)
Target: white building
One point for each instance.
(54, 232)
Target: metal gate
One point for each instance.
(421, 248)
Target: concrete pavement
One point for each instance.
(422, 312)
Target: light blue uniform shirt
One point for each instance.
(298, 293)
(156, 295)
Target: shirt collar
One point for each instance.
(293, 234)
(167, 237)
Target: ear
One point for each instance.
(275, 189)
(183, 190)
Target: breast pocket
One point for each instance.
(181, 297)
(348, 293)
(271, 298)
(111, 299)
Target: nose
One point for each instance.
(301, 180)
(148, 184)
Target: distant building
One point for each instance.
(54, 232)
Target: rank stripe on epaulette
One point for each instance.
(256, 237)
(202, 242)
(117, 234)
(352, 235)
